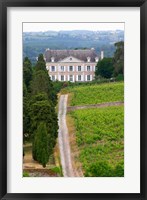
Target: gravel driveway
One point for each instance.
(64, 138)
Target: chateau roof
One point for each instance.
(80, 54)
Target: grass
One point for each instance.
(57, 159)
(26, 174)
(100, 138)
(94, 94)
(74, 148)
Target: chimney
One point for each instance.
(102, 55)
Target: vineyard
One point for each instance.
(94, 94)
(99, 135)
(99, 131)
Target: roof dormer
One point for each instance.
(96, 59)
(88, 59)
(52, 59)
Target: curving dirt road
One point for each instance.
(64, 138)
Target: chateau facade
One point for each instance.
(71, 65)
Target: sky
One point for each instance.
(37, 27)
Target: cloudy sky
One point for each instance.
(36, 27)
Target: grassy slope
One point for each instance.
(94, 94)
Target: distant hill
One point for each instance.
(35, 43)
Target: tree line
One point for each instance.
(112, 67)
(40, 124)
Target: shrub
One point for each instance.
(120, 77)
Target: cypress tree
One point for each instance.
(43, 110)
(41, 81)
(40, 145)
(27, 71)
(40, 65)
(118, 60)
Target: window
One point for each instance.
(53, 68)
(62, 78)
(62, 68)
(88, 77)
(88, 68)
(70, 68)
(53, 78)
(79, 77)
(71, 78)
(70, 59)
(79, 68)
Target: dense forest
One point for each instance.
(35, 43)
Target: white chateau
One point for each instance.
(71, 65)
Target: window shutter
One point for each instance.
(50, 68)
(94, 68)
(91, 77)
(85, 77)
(67, 77)
(73, 78)
(59, 77)
(81, 77)
(55, 77)
(73, 68)
(76, 77)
